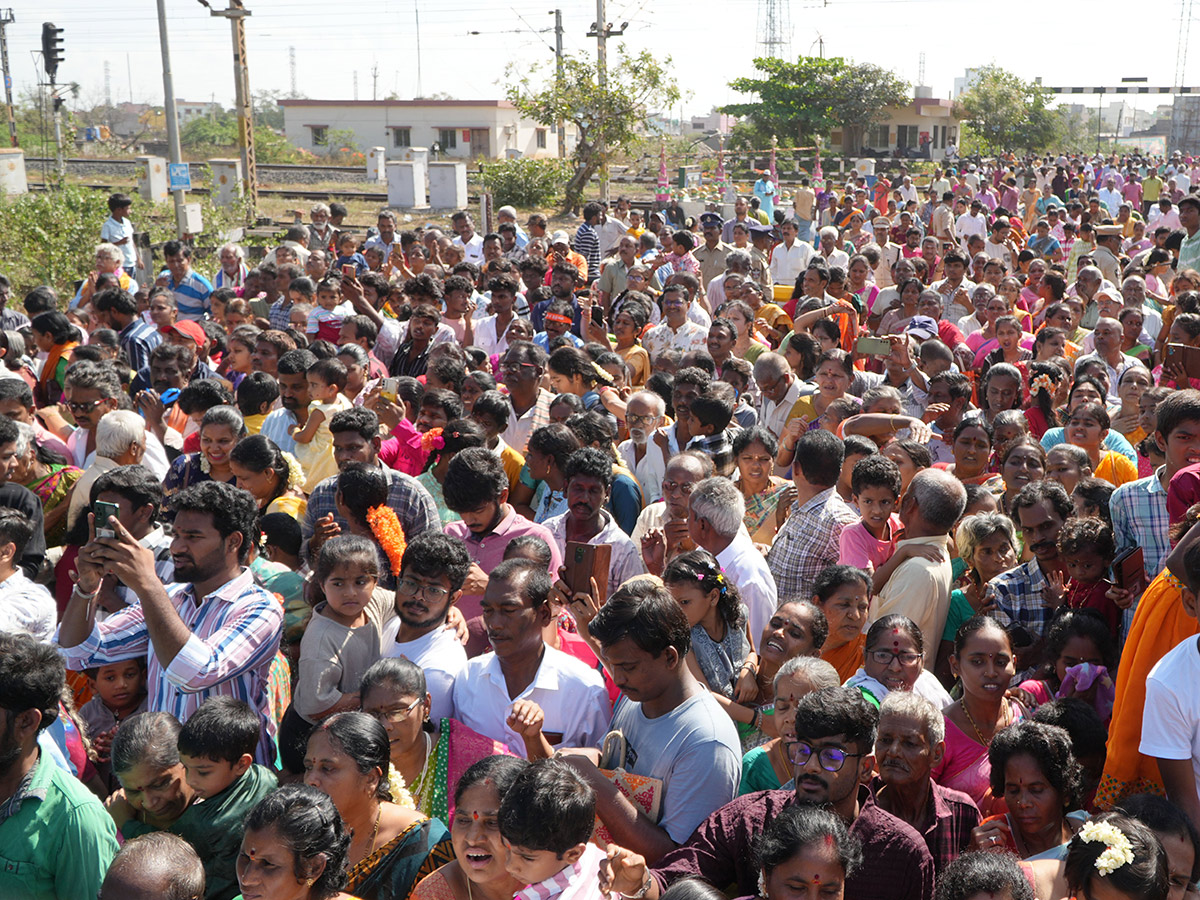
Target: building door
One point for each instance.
(481, 144)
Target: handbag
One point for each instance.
(642, 791)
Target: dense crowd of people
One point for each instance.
(846, 547)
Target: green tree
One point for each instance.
(809, 97)
(1005, 112)
(609, 117)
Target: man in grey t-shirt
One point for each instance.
(675, 731)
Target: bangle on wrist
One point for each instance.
(641, 893)
(84, 595)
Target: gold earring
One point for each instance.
(310, 881)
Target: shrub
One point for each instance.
(525, 182)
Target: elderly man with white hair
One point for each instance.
(120, 441)
(919, 587)
(644, 456)
(717, 509)
(233, 271)
(155, 866)
(828, 248)
(508, 214)
(909, 741)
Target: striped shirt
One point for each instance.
(235, 634)
(191, 295)
(138, 338)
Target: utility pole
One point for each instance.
(236, 14)
(417, 19)
(602, 31)
(374, 81)
(6, 18)
(558, 84)
(169, 108)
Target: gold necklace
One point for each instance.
(962, 701)
(374, 835)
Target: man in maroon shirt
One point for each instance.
(833, 756)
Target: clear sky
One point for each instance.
(710, 41)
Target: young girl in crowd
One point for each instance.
(1076, 639)
(987, 544)
(314, 440)
(721, 656)
(341, 641)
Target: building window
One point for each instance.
(541, 138)
(320, 135)
(401, 137)
(448, 138)
(907, 136)
(877, 137)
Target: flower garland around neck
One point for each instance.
(390, 534)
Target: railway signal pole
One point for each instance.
(236, 14)
(6, 18)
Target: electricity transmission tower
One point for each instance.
(774, 28)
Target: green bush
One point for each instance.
(525, 182)
(50, 237)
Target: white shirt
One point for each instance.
(486, 337)
(472, 248)
(1170, 219)
(649, 470)
(836, 257)
(442, 657)
(968, 225)
(626, 560)
(1171, 718)
(26, 607)
(908, 193)
(688, 336)
(747, 568)
(773, 416)
(571, 695)
(788, 262)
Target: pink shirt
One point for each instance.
(488, 551)
(857, 546)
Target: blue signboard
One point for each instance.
(180, 177)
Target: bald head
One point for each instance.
(156, 866)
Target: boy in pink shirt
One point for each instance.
(875, 486)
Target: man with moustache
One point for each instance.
(662, 531)
(1028, 596)
(432, 572)
(588, 475)
(910, 741)
(293, 399)
(215, 635)
(645, 458)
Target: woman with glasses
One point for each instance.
(983, 660)
(393, 846)
(893, 660)
(430, 756)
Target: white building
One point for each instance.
(187, 110)
(463, 129)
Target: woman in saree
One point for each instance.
(394, 846)
(49, 476)
(478, 866)
(768, 497)
(430, 756)
(1165, 617)
(983, 660)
